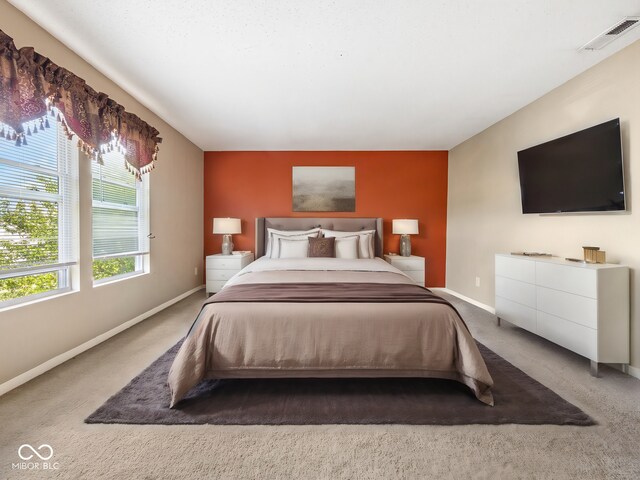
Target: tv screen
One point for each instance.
(581, 172)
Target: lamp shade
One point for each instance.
(226, 226)
(405, 226)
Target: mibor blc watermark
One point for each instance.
(35, 458)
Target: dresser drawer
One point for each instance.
(221, 274)
(520, 292)
(577, 280)
(516, 268)
(578, 309)
(582, 340)
(516, 313)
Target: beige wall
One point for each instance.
(484, 194)
(33, 334)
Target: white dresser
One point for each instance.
(220, 268)
(582, 307)
(413, 266)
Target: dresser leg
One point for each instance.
(594, 369)
(498, 321)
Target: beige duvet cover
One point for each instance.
(264, 339)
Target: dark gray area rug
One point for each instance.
(413, 401)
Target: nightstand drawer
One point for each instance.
(416, 276)
(407, 264)
(224, 263)
(413, 266)
(214, 286)
(220, 268)
(221, 274)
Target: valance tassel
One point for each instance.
(37, 88)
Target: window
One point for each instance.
(120, 220)
(38, 214)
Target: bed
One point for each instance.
(326, 317)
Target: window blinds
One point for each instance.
(38, 200)
(120, 224)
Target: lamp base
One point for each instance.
(227, 245)
(405, 245)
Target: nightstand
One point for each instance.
(220, 268)
(413, 266)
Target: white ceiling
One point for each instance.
(334, 75)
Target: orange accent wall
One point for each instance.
(402, 184)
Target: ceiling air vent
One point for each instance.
(608, 36)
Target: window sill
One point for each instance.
(118, 278)
(43, 298)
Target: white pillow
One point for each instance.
(347, 247)
(275, 244)
(293, 248)
(284, 233)
(366, 247)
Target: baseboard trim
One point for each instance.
(467, 299)
(633, 371)
(63, 357)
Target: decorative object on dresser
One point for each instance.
(582, 307)
(227, 227)
(405, 227)
(412, 266)
(324, 189)
(594, 255)
(220, 268)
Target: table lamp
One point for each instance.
(226, 227)
(405, 227)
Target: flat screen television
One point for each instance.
(581, 172)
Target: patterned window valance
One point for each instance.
(31, 85)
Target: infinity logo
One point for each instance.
(28, 447)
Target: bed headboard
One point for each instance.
(301, 223)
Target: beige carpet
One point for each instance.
(51, 410)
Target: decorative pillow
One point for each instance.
(284, 233)
(322, 247)
(293, 248)
(365, 248)
(275, 244)
(347, 247)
